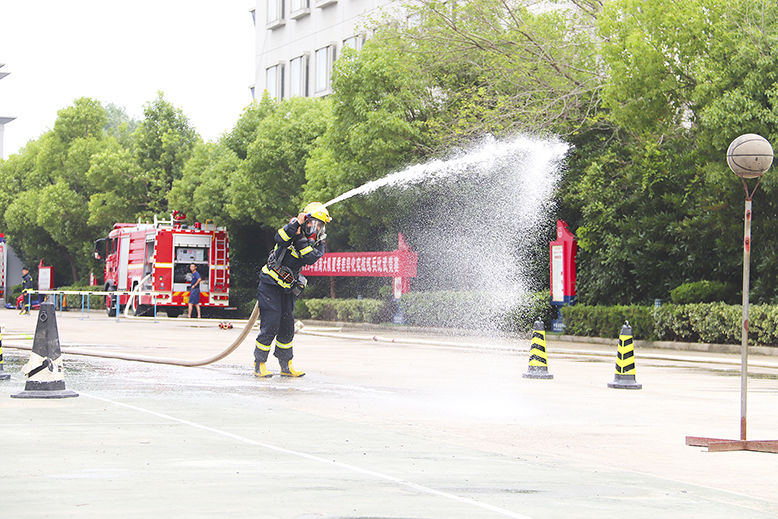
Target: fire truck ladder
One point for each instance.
(220, 263)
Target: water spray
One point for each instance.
(496, 198)
(483, 156)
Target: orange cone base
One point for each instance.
(55, 389)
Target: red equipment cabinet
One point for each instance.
(164, 250)
(562, 263)
(562, 254)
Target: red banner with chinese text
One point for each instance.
(399, 263)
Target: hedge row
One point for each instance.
(75, 302)
(606, 321)
(716, 323)
(346, 310)
(474, 310)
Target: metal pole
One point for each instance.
(744, 339)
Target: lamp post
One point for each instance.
(749, 156)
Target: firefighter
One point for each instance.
(27, 288)
(298, 243)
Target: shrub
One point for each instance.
(606, 321)
(475, 310)
(763, 324)
(347, 310)
(700, 292)
(75, 302)
(523, 314)
(671, 323)
(716, 322)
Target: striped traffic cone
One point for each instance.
(44, 370)
(3, 374)
(538, 362)
(625, 361)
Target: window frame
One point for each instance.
(330, 55)
(301, 82)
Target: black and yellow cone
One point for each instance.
(44, 370)
(538, 361)
(3, 374)
(625, 361)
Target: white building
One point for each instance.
(3, 120)
(299, 40)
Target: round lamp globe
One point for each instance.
(750, 156)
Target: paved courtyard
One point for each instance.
(428, 426)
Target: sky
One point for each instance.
(199, 53)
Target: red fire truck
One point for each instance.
(158, 255)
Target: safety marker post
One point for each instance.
(3, 374)
(44, 370)
(538, 361)
(625, 361)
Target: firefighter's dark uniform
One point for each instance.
(275, 297)
(27, 287)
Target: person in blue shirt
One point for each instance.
(298, 243)
(194, 290)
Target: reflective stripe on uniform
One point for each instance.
(283, 235)
(283, 346)
(306, 250)
(272, 273)
(262, 346)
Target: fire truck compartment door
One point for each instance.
(190, 249)
(124, 257)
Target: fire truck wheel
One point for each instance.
(110, 306)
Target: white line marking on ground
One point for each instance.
(346, 466)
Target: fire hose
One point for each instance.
(156, 360)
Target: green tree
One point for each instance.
(268, 186)
(203, 191)
(654, 203)
(120, 125)
(501, 66)
(121, 191)
(163, 143)
(378, 126)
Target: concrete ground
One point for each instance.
(425, 427)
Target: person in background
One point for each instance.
(194, 290)
(27, 288)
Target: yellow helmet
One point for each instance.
(318, 211)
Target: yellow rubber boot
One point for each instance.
(262, 371)
(289, 371)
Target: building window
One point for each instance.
(355, 42)
(300, 8)
(274, 82)
(325, 57)
(275, 13)
(298, 76)
(324, 3)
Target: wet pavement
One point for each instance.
(425, 427)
